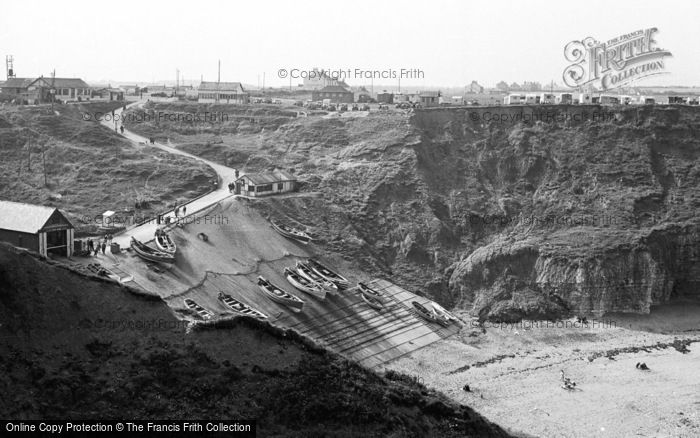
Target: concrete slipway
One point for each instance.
(241, 246)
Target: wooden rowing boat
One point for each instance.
(305, 271)
(304, 284)
(443, 313)
(280, 296)
(291, 233)
(199, 310)
(371, 301)
(239, 307)
(164, 242)
(328, 274)
(428, 314)
(374, 293)
(151, 254)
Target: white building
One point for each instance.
(265, 184)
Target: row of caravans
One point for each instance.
(586, 98)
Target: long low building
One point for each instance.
(265, 184)
(37, 228)
(44, 89)
(222, 92)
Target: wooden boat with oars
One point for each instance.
(374, 293)
(240, 308)
(199, 310)
(328, 274)
(371, 301)
(305, 271)
(151, 254)
(304, 284)
(428, 314)
(164, 242)
(291, 232)
(280, 296)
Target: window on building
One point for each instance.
(265, 188)
(280, 187)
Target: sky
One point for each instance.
(442, 42)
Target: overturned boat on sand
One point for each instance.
(240, 308)
(151, 254)
(304, 284)
(280, 296)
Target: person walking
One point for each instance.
(97, 247)
(184, 210)
(104, 247)
(177, 211)
(121, 128)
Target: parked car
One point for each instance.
(331, 107)
(355, 107)
(343, 107)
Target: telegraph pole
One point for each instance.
(218, 82)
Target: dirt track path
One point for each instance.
(145, 231)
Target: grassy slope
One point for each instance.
(61, 360)
(92, 168)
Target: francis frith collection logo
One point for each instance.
(614, 63)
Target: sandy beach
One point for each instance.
(514, 374)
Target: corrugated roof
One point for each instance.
(221, 86)
(25, 218)
(269, 177)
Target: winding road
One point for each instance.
(145, 232)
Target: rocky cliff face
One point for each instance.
(511, 212)
(586, 216)
(509, 279)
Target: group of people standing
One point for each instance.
(94, 246)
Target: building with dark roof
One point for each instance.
(41, 90)
(37, 228)
(265, 184)
(222, 92)
(335, 93)
(426, 98)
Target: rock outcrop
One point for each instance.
(524, 211)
